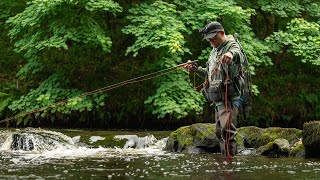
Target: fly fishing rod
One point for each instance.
(104, 89)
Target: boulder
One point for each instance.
(255, 137)
(196, 138)
(297, 150)
(32, 139)
(277, 148)
(311, 138)
(272, 142)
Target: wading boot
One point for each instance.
(233, 150)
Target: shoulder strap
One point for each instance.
(247, 73)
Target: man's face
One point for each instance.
(216, 40)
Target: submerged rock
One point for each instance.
(311, 138)
(133, 141)
(96, 138)
(76, 139)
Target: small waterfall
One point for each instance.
(37, 145)
(38, 140)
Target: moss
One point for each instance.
(311, 133)
(272, 149)
(311, 138)
(186, 137)
(256, 137)
(180, 138)
(202, 131)
(239, 140)
(297, 151)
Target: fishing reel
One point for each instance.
(192, 65)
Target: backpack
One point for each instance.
(245, 73)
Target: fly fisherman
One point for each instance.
(221, 88)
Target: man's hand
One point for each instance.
(227, 58)
(190, 66)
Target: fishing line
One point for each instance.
(104, 89)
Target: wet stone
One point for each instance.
(311, 138)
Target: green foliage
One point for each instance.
(288, 96)
(194, 13)
(9, 8)
(156, 26)
(49, 98)
(301, 38)
(281, 8)
(5, 100)
(67, 50)
(32, 67)
(160, 25)
(58, 24)
(55, 37)
(175, 95)
(313, 9)
(234, 19)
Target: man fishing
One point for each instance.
(223, 83)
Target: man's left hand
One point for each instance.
(227, 58)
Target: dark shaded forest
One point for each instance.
(57, 50)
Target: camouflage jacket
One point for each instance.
(229, 45)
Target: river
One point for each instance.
(85, 161)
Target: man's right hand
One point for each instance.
(191, 66)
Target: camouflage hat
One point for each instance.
(211, 29)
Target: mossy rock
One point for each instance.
(298, 150)
(255, 137)
(240, 142)
(276, 148)
(198, 137)
(311, 138)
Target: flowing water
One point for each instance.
(33, 154)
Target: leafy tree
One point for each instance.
(287, 27)
(60, 39)
(9, 61)
(157, 26)
(46, 95)
(234, 18)
(164, 26)
(301, 38)
(273, 15)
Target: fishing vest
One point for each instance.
(216, 85)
